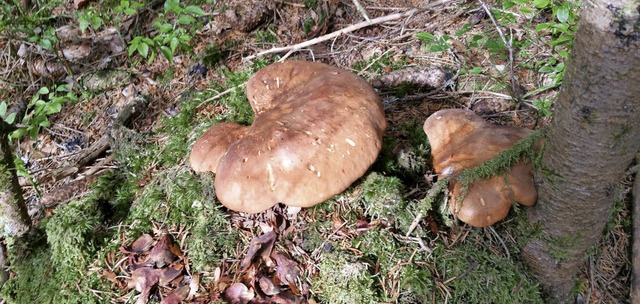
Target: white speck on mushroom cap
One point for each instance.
(350, 142)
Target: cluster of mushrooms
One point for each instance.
(319, 128)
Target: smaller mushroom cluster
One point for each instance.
(459, 140)
(316, 130)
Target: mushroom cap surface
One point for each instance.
(213, 144)
(317, 129)
(459, 140)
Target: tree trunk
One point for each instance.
(14, 220)
(593, 138)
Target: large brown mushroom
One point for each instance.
(316, 130)
(459, 140)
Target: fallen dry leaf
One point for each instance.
(238, 293)
(176, 296)
(142, 278)
(166, 275)
(264, 242)
(143, 243)
(163, 252)
(268, 287)
(286, 269)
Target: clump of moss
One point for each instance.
(416, 285)
(478, 275)
(382, 195)
(344, 280)
(169, 197)
(405, 151)
(54, 262)
(210, 237)
(72, 235)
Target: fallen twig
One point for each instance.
(335, 34)
(361, 9)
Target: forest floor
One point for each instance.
(112, 112)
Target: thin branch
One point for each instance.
(509, 47)
(361, 9)
(335, 34)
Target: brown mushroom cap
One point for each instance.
(460, 139)
(317, 129)
(213, 144)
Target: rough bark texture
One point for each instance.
(14, 220)
(635, 284)
(593, 138)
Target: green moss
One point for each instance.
(211, 238)
(416, 284)
(314, 235)
(382, 195)
(342, 279)
(502, 162)
(72, 235)
(52, 267)
(561, 247)
(474, 274)
(407, 155)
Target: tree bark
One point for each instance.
(635, 249)
(593, 138)
(14, 220)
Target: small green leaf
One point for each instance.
(83, 23)
(167, 53)
(540, 3)
(174, 44)
(96, 22)
(143, 49)
(10, 118)
(559, 68)
(476, 70)
(542, 26)
(563, 14)
(525, 10)
(545, 69)
(194, 10)
(172, 6)
(562, 39)
(3, 108)
(33, 132)
(132, 48)
(46, 44)
(564, 54)
(426, 37)
(129, 11)
(43, 90)
(165, 28)
(186, 19)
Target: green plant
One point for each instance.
(171, 34)
(8, 118)
(43, 104)
(435, 43)
(557, 32)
